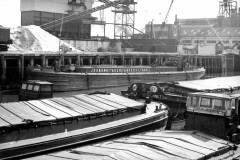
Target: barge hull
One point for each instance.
(46, 143)
(80, 81)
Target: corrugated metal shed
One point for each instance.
(148, 146)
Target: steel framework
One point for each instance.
(124, 19)
(227, 8)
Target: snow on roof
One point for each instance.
(33, 38)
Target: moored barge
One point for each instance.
(30, 127)
(215, 114)
(174, 94)
(92, 77)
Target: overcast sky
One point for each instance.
(147, 10)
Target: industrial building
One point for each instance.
(41, 12)
(205, 36)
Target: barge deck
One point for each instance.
(150, 145)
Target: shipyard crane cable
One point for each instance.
(81, 14)
(168, 12)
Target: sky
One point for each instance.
(147, 10)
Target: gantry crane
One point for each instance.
(169, 9)
(227, 8)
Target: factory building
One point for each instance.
(40, 12)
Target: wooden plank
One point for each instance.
(178, 142)
(85, 105)
(72, 106)
(114, 104)
(45, 157)
(73, 154)
(207, 141)
(52, 111)
(111, 152)
(4, 123)
(95, 103)
(10, 117)
(139, 149)
(61, 108)
(121, 100)
(165, 146)
(26, 112)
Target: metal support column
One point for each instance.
(4, 66)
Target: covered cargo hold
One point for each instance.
(29, 127)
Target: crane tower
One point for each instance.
(227, 8)
(124, 19)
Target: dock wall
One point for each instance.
(14, 67)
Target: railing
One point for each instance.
(123, 69)
(114, 69)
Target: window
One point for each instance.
(30, 87)
(189, 99)
(191, 102)
(218, 104)
(194, 101)
(36, 88)
(227, 104)
(206, 102)
(233, 103)
(24, 86)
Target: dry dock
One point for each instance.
(150, 145)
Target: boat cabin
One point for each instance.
(213, 113)
(211, 103)
(34, 89)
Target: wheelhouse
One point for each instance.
(33, 89)
(211, 103)
(215, 114)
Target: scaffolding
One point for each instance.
(227, 8)
(124, 19)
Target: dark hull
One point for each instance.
(64, 81)
(211, 124)
(51, 142)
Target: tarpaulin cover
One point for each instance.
(212, 84)
(53, 109)
(161, 145)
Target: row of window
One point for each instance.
(36, 87)
(209, 103)
(208, 41)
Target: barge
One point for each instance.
(215, 114)
(92, 77)
(155, 145)
(31, 127)
(174, 94)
